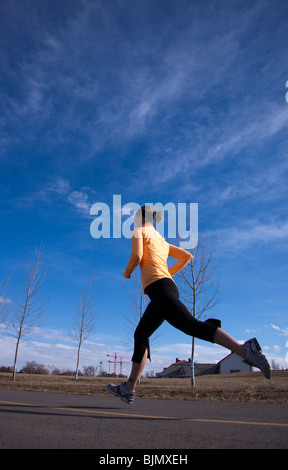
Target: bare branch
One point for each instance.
(84, 319)
(28, 306)
(199, 289)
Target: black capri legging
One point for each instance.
(165, 305)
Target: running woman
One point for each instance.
(150, 250)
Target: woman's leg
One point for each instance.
(136, 372)
(165, 298)
(224, 339)
(164, 295)
(149, 323)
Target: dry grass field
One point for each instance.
(244, 387)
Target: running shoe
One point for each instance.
(121, 391)
(254, 357)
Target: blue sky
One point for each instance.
(156, 101)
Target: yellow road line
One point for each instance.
(256, 423)
(81, 410)
(133, 415)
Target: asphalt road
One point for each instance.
(49, 421)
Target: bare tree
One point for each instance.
(199, 287)
(90, 371)
(28, 306)
(34, 368)
(84, 320)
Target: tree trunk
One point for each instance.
(15, 359)
(194, 316)
(78, 360)
(18, 342)
(192, 363)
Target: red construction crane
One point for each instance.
(115, 359)
(118, 362)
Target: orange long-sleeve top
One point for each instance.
(151, 250)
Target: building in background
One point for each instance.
(227, 365)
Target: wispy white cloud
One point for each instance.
(234, 239)
(238, 135)
(48, 333)
(161, 88)
(143, 90)
(264, 186)
(44, 193)
(54, 347)
(226, 141)
(58, 188)
(282, 331)
(44, 348)
(5, 300)
(58, 185)
(79, 200)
